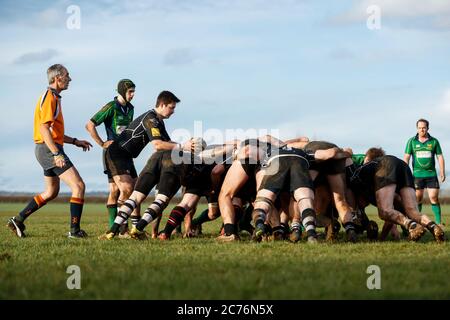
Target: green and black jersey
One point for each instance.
(115, 116)
(358, 159)
(423, 155)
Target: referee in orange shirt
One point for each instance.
(49, 138)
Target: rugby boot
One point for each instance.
(259, 232)
(106, 236)
(77, 235)
(137, 235)
(163, 236)
(228, 238)
(296, 235)
(438, 234)
(16, 227)
(416, 231)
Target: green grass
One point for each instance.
(35, 267)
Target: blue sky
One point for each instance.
(299, 67)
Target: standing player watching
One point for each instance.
(116, 115)
(49, 138)
(424, 148)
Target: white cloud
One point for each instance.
(36, 56)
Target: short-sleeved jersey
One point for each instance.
(48, 110)
(115, 116)
(423, 156)
(145, 128)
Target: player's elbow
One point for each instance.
(89, 126)
(44, 127)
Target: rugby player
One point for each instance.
(287, 169)
(424, 148)
(160, 169)
(116, 115)
(378, 181)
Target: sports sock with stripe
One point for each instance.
(36, 203)
(76, 209)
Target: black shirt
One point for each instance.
(147, 127)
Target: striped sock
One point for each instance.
(135, 220)
(76, 209)
(149, 216)
(122, 216)
(259, 217)
(34, 204)
(153, 212)
(176, 217)
(309, 221)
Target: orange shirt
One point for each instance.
(48, 110)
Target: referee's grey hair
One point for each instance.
(53, 71)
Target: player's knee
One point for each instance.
(79, 187)
(50, 194)
(339, 199)
(384, 214)
(114, 190)
(126, 191)
(224, 195)
(434, 199)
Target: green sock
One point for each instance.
(203, 217)
(420, 207)
(112, 211)
(437, 212)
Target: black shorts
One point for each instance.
(105, 168)
(197, 179)
(248, 190)
(428, 183)
(45, 158)
(292, 173)
(119, 162)
(392, 170)
(159, 171)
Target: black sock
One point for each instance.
(410, 224)
(176, 217)
(430, 226)
(279, 228)
(203, 217)
(76, 209)
(285, 227)
(238, 213)
(349, 226)
(32, 206)
(229, 229)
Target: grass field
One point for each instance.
(35, 267)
